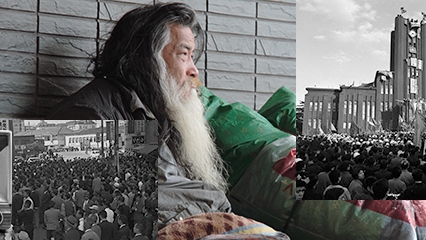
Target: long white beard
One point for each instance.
(198, 148)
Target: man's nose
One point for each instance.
(192, 69)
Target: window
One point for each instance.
(320, 106)
(390, 105)
(390, 89)
(373, 110)
(350, 107)
(344, 125)
(355, 107)
(315, 106)
(368, 109)
(310, 122)
(345, 107)
(382, 88)
(315, 123)
(363, 110)
(328, 106)
(382, 106)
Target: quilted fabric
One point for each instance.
(207, 224)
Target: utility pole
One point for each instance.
(116, 146)
(102, 140)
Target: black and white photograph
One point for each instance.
(68, 175)
(361, 119)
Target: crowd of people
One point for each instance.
(362, 167)
(86, 198)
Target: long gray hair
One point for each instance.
(132, 54)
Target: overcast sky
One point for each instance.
(345, 41)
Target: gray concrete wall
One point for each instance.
(46, 45)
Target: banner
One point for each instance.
(413, 85)
(419, 129)
(354, 129)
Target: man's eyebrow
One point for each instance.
(185, 46)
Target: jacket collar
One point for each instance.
(136, 103)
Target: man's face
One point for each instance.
(178, 54)
(361, 175)
(300, 191)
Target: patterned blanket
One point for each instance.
(218, 226)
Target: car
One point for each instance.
(33, 159)
(18, 158)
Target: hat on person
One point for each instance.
(22, 235)
(71, 220)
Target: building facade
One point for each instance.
(388, 102)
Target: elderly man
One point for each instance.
(147, 47)
(147, 71)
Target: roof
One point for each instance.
(321, 89)
(96, 130)
(46, 131)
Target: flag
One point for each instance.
(400, 120)
(320, 131)
(419, 129)
(332, 128)
(354, 129)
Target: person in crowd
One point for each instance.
(345, 171)
(335, 191)
(300, 189)
(35, 196)
(138, 231)
(406, 176)
(57, 198)
(26, 194)
(106, 227)
(25, 219)
(396, 185)
(45, 202)
(68, 207)
(383, 172)
(70, 228)
(368, 193)
(357, 186)
(323, 177)
(380, 189)
(89, 234)
(416, 191)
(17, 202)
(123, 232)
(52, 216)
